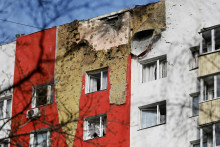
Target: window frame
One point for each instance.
(85, 126)
(192, 96)
(213, 40)
(49, 94)
(4, 110)
(194, 61)
(5, 142)
(157, 105)
(157, 60)
(87, 80)
(41, 131)
(203, 88)
(197, 142)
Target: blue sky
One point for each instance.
(42, 14)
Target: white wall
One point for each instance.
(7, 60)
(184, 19)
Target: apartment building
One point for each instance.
(146, 76)
(175, 84)
(7, 56)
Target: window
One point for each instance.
(210, 87)
(194, 60)
(4, 143)
(94, 126)
(210, 40)
(40, 139)
(42, 95)
(153, 70)
(195, 104)
(96, 80)
(153, 115)
(5, 107)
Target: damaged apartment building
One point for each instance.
(146, 76)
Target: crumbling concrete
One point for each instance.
(94, 44)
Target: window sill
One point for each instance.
(203, 54)
(95, 91)
(194, 68)
(93, 138)
(209, 100)
(42, 105)
(193, 116)
(151, 127)
(153, 80)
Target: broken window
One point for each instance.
(153, 115)
(96, 81)
(154, 70)
(194, 62)
(210, 40)
(5, 107)
(94, 127)
(42, 95)
(40, 139)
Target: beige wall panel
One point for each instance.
(215, 110)
(205, 112)
(209, 64)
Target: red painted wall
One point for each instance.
(118, 116)
(34, 65)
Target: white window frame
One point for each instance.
(87, 82)
(4, 110)
(213, 42)
(86, 128)
(157, 105)
(50, 94)
(157, 61)
(5, 142)
(203, 89)
(209, 140)
(49, 137)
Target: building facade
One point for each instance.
(7, 56)
(173, 95)
(146, 76)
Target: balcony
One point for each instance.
(209, 59)
(209, 111)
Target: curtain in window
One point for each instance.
(149, 72)
(40, 140)
(8, 108)
(105, 80)
(1, 109)
(93, 84)
(163, 69)
(149, 117)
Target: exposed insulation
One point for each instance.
(148, 17)
(73, 60)
(94, 44)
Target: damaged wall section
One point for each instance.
(147, 23)
(86, 46)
